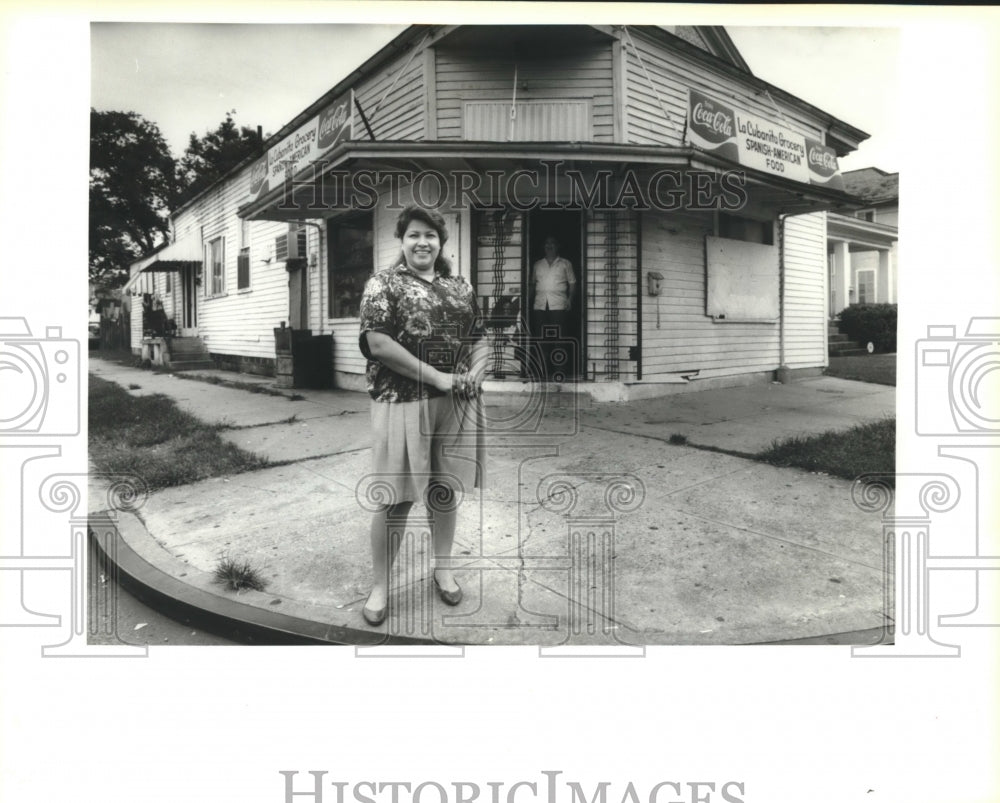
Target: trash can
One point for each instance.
(302, 359)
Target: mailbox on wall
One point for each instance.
(654, 282)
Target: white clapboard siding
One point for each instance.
(805, 290)
(582, 74)
(238, 322)
(672, 74)
(398, 115)
(677, 335)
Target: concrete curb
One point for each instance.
(141, 576)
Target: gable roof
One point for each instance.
(872, 185)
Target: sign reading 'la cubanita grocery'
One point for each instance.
(759, 143)
(303, 146)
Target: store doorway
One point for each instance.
(557, 326)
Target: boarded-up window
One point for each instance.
(742, 280)
(534, 121)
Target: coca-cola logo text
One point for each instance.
(717, 121)
(332, 122)
(258, 176)
(820, 157)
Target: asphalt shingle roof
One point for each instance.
(872, 184)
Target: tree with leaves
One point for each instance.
(210, 157)
(133, 185)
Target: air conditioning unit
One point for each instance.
(292, 245)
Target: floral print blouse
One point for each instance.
(437, 321)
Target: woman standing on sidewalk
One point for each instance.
(421, 333)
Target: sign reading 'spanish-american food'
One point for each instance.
(759, 143)
(303, 146)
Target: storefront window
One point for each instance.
(352, 256)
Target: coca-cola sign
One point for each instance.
(823, 165)
(334, 124)
(758, 142)
(258, 176)
(713, 121)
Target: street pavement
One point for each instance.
(592, 530)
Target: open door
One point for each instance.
(189, 301)
(553, 290)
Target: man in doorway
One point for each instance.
(552, 285)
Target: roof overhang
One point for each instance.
(861, 235)
(171, 258)
(307, 195)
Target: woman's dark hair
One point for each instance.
(413, 212)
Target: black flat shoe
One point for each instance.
(375, 617)
(448, 597)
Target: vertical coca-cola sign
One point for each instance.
(823, 166)
(335, 123)
(258, 177)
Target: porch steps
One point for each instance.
(189, 354)
(839, 345)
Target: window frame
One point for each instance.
(870, 284)
(332, 273)
(215, 284)
(244, 273)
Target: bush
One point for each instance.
(875, 323)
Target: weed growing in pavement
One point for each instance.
(237, 575)
(677, 439)
(864, 449)
(296, 397)
(150, 437)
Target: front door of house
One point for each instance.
(189, 301)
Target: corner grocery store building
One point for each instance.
(689, 195)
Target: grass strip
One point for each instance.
(864, 449)
(877, 368)
(148, 436)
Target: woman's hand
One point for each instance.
(466, 385)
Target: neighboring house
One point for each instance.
(689, 195)
(864, 261)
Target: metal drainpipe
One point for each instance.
(783, 372)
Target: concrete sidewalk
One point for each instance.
(598, 532)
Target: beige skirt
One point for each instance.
(431, 441)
